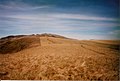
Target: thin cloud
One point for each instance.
(54, 21)
(21, 6)
(83, 17)
(65, 16)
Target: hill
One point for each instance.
(11, 44)
(54, 57)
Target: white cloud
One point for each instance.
(22, 6)
(82, 17)
(58, 23)
(52, 21)
(60, 16)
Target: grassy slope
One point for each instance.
(18, 44)
(58, 58)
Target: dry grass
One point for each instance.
(61, 59)
(114, 42)
(16, 45)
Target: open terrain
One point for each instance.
(54, 57)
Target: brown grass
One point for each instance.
(16, 45)
(61, 59)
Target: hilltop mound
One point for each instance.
(33, 35)
(50, 35)
(12, 44)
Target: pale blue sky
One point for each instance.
(81, 19)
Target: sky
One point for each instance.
(79, 19)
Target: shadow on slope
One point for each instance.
(12, 46)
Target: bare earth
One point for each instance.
(62, 59)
